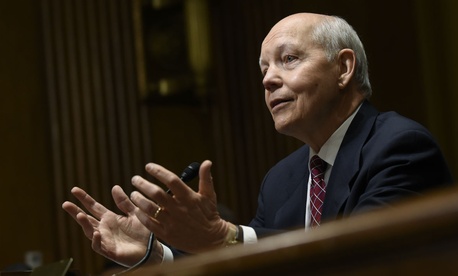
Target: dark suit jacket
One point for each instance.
(383, 157)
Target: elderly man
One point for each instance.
(354, 159)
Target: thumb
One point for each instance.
(206, 180)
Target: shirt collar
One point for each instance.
(329, 150)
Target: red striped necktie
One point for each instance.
(317, 189)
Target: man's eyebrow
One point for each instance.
(280, 48)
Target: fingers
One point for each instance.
(122, 200)
(171, 180)
(86, 222)
(152, 211)
(145, 205)
(95, 208)
(206, 181)
(153, 224)
(152, 206)
(152, 191)
(71, 209)
(150, 214)
(155, 197)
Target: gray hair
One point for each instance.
(335, 34)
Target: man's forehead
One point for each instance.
(289, 31)
(288, 39)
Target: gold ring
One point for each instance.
(157, 212)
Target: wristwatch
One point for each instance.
(234, 236)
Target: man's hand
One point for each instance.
(121, 238)
(187, 220)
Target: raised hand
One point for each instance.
(121, 238)
(187, 220)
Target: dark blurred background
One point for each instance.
(92, 90)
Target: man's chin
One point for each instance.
(282, 128)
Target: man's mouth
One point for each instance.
(277, 103)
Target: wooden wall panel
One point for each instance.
(100, 131)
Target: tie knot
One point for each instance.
(316, 163)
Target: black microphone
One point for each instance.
(191, 171)
(188, 174)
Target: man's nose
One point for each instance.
(271, 80)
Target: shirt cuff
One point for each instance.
(168, 255)
(249, 235)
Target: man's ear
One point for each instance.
(347, 62)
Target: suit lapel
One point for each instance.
(292, 213)
(347, 161)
